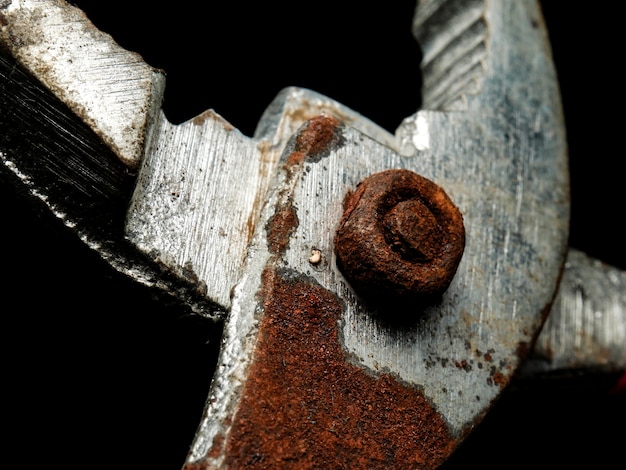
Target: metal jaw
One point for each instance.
(227, 223)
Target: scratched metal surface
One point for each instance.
(44, 40)
(578, 306)
(112, 89)
(415, 139)
(501, 157)
(586, 329)
(498, 150)
(203, 183)
(166, 222)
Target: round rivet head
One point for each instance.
(400, 237)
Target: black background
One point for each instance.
(100, 375)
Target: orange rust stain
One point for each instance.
(201, 118)
(218, 444)
(315, 139)
(295, 158)
(305, 406)
(499, 379)
(280, 227)
(317, 136)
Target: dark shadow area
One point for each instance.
(398, 315)
(99, 373)
(235, 57)
(569, 422)
(583, 42)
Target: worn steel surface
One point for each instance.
(491, 134)
(195, 213)
(501, 158)
(57, 162)
(586, 329)
(113, 90)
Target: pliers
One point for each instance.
(186, 227)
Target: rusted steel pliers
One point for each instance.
(342, 342)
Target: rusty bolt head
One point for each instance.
(400, 237)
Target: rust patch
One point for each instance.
(401, 237)
(488, 355)
(318, 137)
(280, 227)
(499, 379)
(313, 142)
(305, 406)
(201, 118)
(218, 444)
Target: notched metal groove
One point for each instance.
(53, 158)
(453, 36)
(462, 77)
(453, 97)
